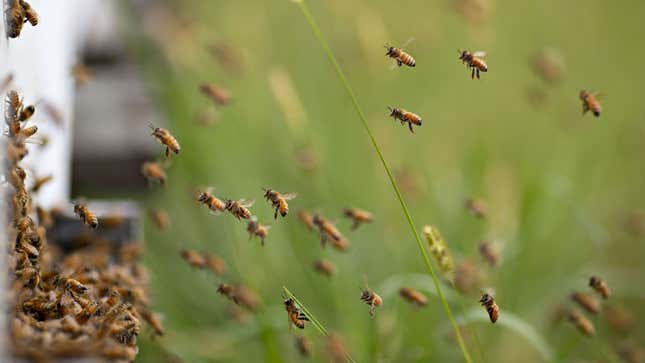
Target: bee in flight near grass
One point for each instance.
(296, 317)
(212, 202)
(325, 267)
(165, 138)
(358, 216)
(590, 102)
(400, 56)
(239, 208)
(405, 116)
(489, 252)
(413, 296)
(584, 325)
(256, 229)
(86, 216)
(586, 301)
(473, 61)
(488, 301)
(476, 207)
(599, 286)
(370, 298)
(154, 172)
(279, 201)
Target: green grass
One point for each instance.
(558, 185)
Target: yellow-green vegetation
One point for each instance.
(559, 187)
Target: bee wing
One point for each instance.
(479, 54)
(289, 196)
(407, 42)
(246, 203)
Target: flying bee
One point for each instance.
(213, 203)
(278, 201)
(476, 207)
(153, 320)
(154, 172)
(86, 216)
(590, 102)
(473, 61)
(296, 317)
(256, 229)
(370, 298)
(306, 219)
(358, 216)
(217, 94)
(160, 218)
(215, 264)
(246, 298)
(27, 132)
(39, 182)
(400, 56)
(586, 301)
(619, 319)
(165, 138)
(325, 267)
(584, 325)
(405, 116)
(227, 290)
(341, 244)
(413, 296)
(26, 113)
(490, 253)
(336, 349)
(30, 14)
(194, 258)
(327, 230)
(14, 15)
(488, 301)
(239, 208)
(82, 74)
(599, 286)
(304, 346)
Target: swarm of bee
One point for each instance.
(85, 301)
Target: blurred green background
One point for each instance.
(559, 187)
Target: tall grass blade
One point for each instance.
(321, 328)
(318, 34)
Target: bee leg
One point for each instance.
(275, 214)
(477, 73)
(167, 152)
(410, 126)
(262, 241)
(355, 225)
(399, 63)
(472, 74)
(323, 240)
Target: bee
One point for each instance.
(213, 203)
(153, 320)
(26, 113)
(473, 61)
(256, 229)
(405, 116)
(217, 94)
(28, 131)
(306, 219)
(476, 207)
(304, 346)
(413, 296)
(488, 301)
(154, 172)
(194, 258)
(245, 297)
(228, 291)
(325, 267)
(619, 318)
(590, 102)
(239, 208)
(30, 14)
(39, 182)
(336, 349)
(296, 317)
(631, 353)
(278, 201)
(548, 65)
(14, 15)
(400, 56)
(160, 218)
(165, 138)
(86, 216)
(371, 298)
(69, 284)
(489, 252)
(599, 286)
(584, 325)
(215, 264)
(358, 216)
(327, 230)
(586, 301)
(82, 74)
(17, 176)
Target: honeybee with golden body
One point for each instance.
(306, 218)
(358, 216)
(325, 267)
(160, 217)
(217, 94)
(296, 317)
(327, 230)
(213, 203)
(476, 207)
(256, 229)
(590, 103)
(370, 298)
(599, 286)
(405, 116)
(413, 296)
(279, 201)
(489, 253)
(86, 216)
(193, 258)
(488, 302)
(473, 61)
(30, 14)
(215, 264)
(167, 139)
(584, 325)
(400, 56)
(239, 208)
(154, 172)
(586, 301)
